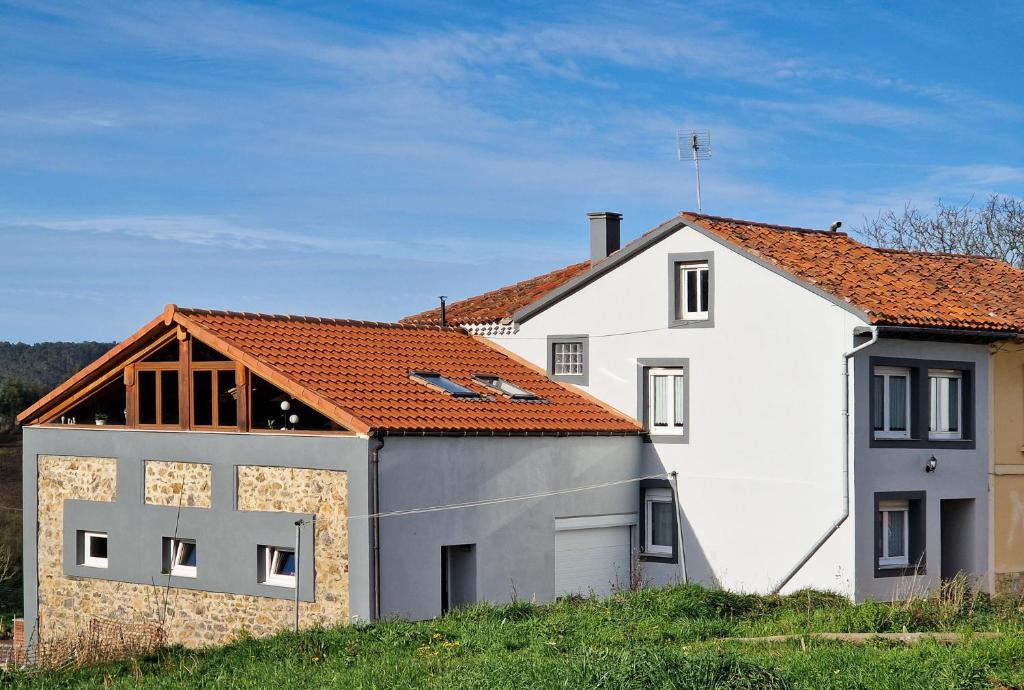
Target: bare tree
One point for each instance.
(996, 229)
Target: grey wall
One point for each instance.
(226, 538)
(962, 471)
(514, 541)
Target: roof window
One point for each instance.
(447, 385)
(502, 386)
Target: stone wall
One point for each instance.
(178, 483)
(325, 494)
(192, 618)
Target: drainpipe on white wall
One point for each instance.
(845, 512)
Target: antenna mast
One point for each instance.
(694, 145)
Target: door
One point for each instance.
(458, 576)
(957, 537)
(592, 559)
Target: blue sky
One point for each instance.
(356, 160)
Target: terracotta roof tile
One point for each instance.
(891, 287)
(501, 303)
(364, 367)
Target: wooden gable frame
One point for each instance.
(122, 360)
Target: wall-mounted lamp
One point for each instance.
(931, 465)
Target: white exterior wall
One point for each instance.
(760, 478)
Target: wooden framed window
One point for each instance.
(214, 395)
(156, 394)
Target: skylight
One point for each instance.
(447, 385)
(502, 386)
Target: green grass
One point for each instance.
(655, 638)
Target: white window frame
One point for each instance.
(178, 568)
(87, 558)
(652, 496)
(568, 358)
(682, 291)
(675, 425)
(886, 508)
(935, 409)
(272, 556)
(887, 373)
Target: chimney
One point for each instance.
(604, 234)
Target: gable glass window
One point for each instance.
(666, 402)
(891, 402)
(659, 522)
(895, 517)
(692, 291)
(183, 556)
(156, 391)
(506, 388)
(945, 389)
(278, 566)
(456, 390)
(567, 358)
(94, 549)
(214, 395)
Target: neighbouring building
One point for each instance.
(163, 483)
(827, 405)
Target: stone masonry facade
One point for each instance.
(187, 484)
(192, 618)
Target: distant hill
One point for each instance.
(46, 365)
(29, 371)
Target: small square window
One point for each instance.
(94, 549)
(659, 522)
(277, 566)
(567, 358)
(181, 557)
(891, 402)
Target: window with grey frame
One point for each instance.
(899, 533)
(891, 409)
(659, 522)
(666, 400)
(567, 358)
(693, 288)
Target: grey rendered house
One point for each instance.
(825, 404)
(425, 468)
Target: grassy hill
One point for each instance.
(655, 638)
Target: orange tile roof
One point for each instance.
(890, 287)
(363, 368)
(501, 303)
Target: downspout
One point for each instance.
(374, 510)
(845, 512)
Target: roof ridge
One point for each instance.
(775, 226)
(943, 255)
(188, 311)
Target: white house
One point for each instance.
(741, 346)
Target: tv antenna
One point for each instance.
(694, 145)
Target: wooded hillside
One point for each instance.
(29, 371)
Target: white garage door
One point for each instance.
(592, 559)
